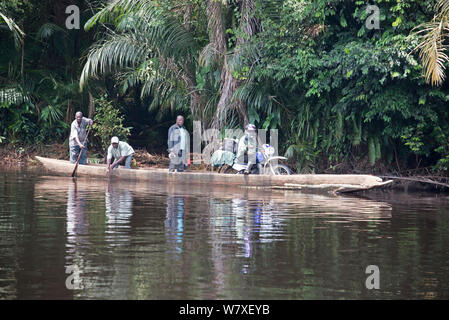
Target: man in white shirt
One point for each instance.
(77, 136)
(121, 152)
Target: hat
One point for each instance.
(114, 140)
(250, 127)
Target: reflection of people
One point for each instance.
(78, 134)
(247, 149)
(121, 153)
(242, 225)
(174, 221)
(77, 229)
(119, 204)
(76, 203)
(178, 145)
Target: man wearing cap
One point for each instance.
(247, 149)
(178, 145)
(77, 137)
(121, 152)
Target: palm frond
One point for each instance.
(147, 48)
(12, 96)
(442, 9)
(18, 34)
(143, 31)
(47, 30)
(118, 51)
(113, 11)
(432, 50)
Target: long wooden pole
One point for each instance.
(79, 155)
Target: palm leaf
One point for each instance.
(47, 30)
(12, 96)
(147, 48)
(16, 31)
(116, 52)
(431, 47)
(432, 50)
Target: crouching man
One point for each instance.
(119, 152)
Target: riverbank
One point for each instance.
(18, 157)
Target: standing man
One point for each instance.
(121, 152)
(77, 136)
(178, 145)
(247, 149)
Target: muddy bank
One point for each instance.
(17, 157)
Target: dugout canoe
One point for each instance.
(333, 183)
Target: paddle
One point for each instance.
(79, 155)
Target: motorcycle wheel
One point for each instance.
(254, 171)
(227, 169)
(282, 169)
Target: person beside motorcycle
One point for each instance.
(247, 149)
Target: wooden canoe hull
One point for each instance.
(324, 182)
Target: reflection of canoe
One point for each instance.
(57, 187)
(319, 182)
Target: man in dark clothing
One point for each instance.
(178, 145)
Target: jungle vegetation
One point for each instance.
(344, 97)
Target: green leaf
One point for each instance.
(422, 100)
(343, 21)
(395, 74)
(397, 22)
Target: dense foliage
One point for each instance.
(343, 96)
(108, 122)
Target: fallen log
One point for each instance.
(417, 179)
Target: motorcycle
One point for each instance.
(266, 162)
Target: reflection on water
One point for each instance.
(119, 204)
(141, 241)
(174, 222)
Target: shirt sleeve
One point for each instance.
(86, 121)
(129, 150)
(73, 131)
(169, 140)
(109, 153)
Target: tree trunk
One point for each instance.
(229, 84)
(91, 106)
(216, 28)
(187, 16)
(69, 112)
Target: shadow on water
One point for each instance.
(90, 239)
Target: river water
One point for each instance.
(95, 239)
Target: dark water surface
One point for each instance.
(138, 241)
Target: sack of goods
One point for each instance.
(230, 145)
